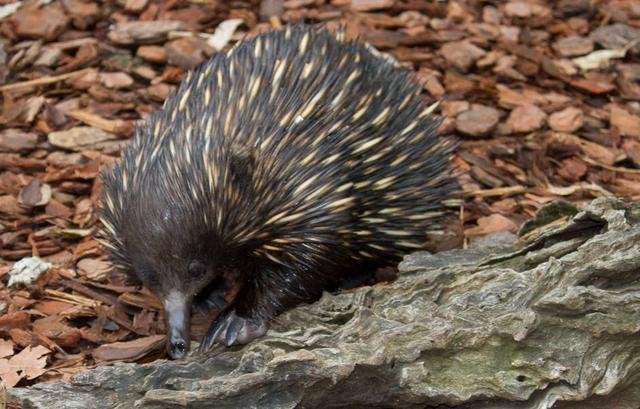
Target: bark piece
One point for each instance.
(573, 46)
(81, 137)
(46, 22)
(116, 80)
(568, 120)
(616, 36)
(479, 121)
(626, 122)
(367, 5)
(187, 52)
(15, 140)
(143, 32)
(527, 118)
(126, 351)
(461, 54)
(152, 53)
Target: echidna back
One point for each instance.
(299, 142)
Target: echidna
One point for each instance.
(287, 163)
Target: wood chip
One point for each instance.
(128, 351)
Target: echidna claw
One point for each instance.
(230, 329)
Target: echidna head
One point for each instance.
(154, 233)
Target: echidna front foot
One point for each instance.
(231, 329)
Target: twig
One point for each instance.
(609, 167)
(43, 81)
(116, 126)
(498, 191)
(70, 298)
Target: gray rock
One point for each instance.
(551, 323)
(500, 239)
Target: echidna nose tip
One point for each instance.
(178, 348)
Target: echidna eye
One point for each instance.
(197, 268)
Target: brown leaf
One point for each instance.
(28, 363)
(6, 348)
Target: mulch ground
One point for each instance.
(544, 95)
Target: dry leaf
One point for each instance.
(28, 363)
(6, 348)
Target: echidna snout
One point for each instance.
(178, 312)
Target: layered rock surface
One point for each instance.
(549, 323)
